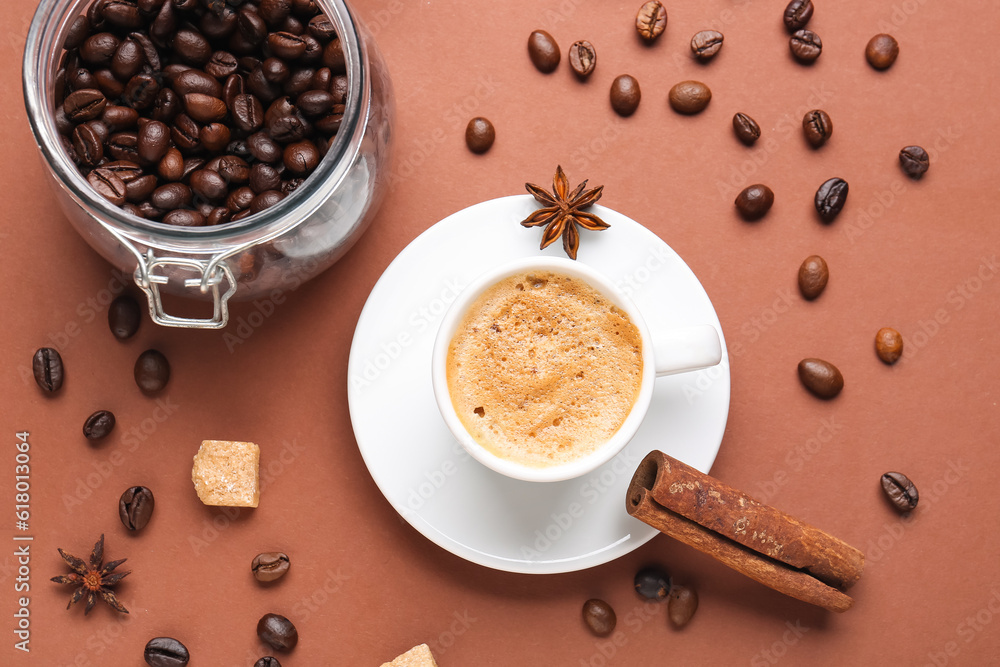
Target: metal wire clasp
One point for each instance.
(211, 274)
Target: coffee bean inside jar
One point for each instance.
(144, 88)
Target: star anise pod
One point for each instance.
(561, 212)
(93, 580)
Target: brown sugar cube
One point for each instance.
(418, 656)
(226, 473)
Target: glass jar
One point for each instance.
(279, 247)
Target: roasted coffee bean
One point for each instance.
(330, 125)
(234, 169)
(135, 507)
(817, 127)
(222, 64)
(276, 70)
(280, 107)
(124, 316)
(214, 137)
(218, 23)
(269, 566)
(582, 58)
(274, 12)
(682, 605)
(263, 177)
(339, 89)
(900, 491)
(141, 91)
(291, 185)
(806, 46)
(82, 105)
(78, 31)
(107, 184)
(266, 200)
(250, 25)
(705, 44)
(599, 617)
(119, 118)
(123, 146)
(882, 51)
(152, 371)
(122, 13)
(99, 425)
(191, 47)
(689, 97)
(184, 217)
(820, 377)
(209, 185)
(746, 128)
(651, 21)
(278, 632)
(204, 108)
(88, 145)
(813, 276)
(286, 45)
(288, 129)
(150, 212)
(79, 78)
(333, 56)
(888, 345)
(267, 661)
(150, 55)
(248, 114)
(128, 60)
(171, 166)
(914, 161)
(240, 199)
(322, 28)
(797, 14)
(153, 141)
(165, 651)
(170, 196)
(625, 95)
(109, 84)
(263, 147)
(166, 106)
(98, 50)
(321, 79)
(754, 201)
(830, 198)
(140, 189)
(195, 81)
(315, 102)
(479, 134)
(47, 367)
(652, 583)
(543, 51)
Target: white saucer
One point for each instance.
(425, 474)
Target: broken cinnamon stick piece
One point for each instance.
(757, 540)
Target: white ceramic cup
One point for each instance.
(676, 350)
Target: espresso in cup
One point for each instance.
(543, 369)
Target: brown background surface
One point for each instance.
(919, 256)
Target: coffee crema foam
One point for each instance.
(543, 369)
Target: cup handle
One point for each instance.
(686, 349)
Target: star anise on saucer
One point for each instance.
(93, 580)
(561, 212)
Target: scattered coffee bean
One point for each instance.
(888, 345)
(689, 97)
(797, 14)
(135, 507)
(900, 491)
(269, 566)
(124, 317)
(651, 21)
(152, 371)
(817, 127)
(813, 276)
(746, 128)
(479, 134)
(98, 425)
(914, 161)
(278, 632)
(267, 661)
(820, 377)
(705, 44)
(47, 367)
(543, 51)
(754, 201)
(882, 51)
(806, 46)
(582, 58)
(682, 605)
(652, 583)
(830, 198)
(165, 652)
(599, 617)
(625, 95)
